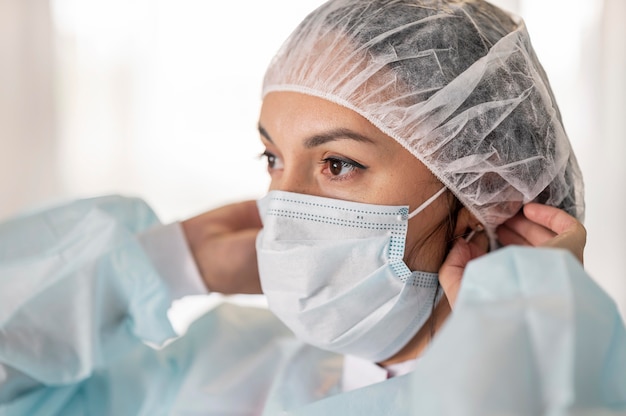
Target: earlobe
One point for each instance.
(467, 225)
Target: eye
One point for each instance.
(339, 168)
(273, 161)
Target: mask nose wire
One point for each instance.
(426, 203)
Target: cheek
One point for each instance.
(384, 188)
(412, 242)
(427, 238)
(274, 181)
(403, 182)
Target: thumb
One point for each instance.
(453, 267)
(451, 271)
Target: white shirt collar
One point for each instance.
(358, 372)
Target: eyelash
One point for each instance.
(270, 158)
(326, 162)
(345, 163)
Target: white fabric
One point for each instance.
(333, 272)
(400, 369)
(531, 334)
(169, 252)
(457, 83)
(358, 373)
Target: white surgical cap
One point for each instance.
(457, 83)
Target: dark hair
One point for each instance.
(449, 224)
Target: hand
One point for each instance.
(462, 251)
(222, 242)
(536, 226)
(544, 226)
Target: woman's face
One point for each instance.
(316, 147)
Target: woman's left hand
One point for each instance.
(544, 226)
(536, 225)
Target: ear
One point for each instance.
(466, 223)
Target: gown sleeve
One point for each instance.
(532, 333)
(77, 290)
(85, 290)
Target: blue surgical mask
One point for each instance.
(333, 272)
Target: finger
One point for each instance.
(571, 240)
(479, 245)
(571, 233)
(568, 232)
(536, 234)
(451, 271)
(508, 237)
(550, 217)
(462, 252)
(462, 221)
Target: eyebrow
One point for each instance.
(329, 136)
(264, 133)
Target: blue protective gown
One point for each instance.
(80, 305)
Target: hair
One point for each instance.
(449, 224)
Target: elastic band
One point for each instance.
(427, 203)
(479, 228)
(470, 236)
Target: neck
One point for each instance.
(418, 344)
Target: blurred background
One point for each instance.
(159, 99)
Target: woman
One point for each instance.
(357, 94)
(399, 135)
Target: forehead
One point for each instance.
(291, 120)
(286, 112)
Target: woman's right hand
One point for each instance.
(222, 242)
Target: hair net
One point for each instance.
(457, 83)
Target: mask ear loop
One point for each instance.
(471, 235)
(427, 203)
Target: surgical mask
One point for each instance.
(333, 272)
